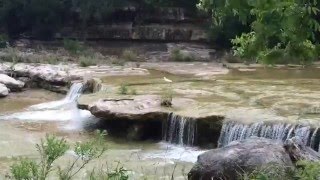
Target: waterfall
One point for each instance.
(69, 101)
(62, 110)
(179, 130)
(232, 131)
(74, 92)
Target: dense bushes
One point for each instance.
(280, 31)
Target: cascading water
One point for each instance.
(232, 131)
(179, 130)
(70, 99)
(62, 110)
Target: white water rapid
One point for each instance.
(232, 131)
(179, 130)
(62, 110)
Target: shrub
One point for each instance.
(11, 55)
(124, 89)
(25, 169)
(86, 61)
(117, 61)
(166, 98)
(4, 40)
(177, 55)
(129, 55)
(52, 148)
(119, 173)
(51, 60)
(269, 172)
(72, 46)
(308, 170)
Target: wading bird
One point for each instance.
(167, 80)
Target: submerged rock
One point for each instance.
(239, 157)
(4, 91)
(11, 83)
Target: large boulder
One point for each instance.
(11, 83)
(240, 156)
(4, 91)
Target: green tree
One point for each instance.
(282, 31)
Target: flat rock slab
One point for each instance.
(198, 69)
(138, 108)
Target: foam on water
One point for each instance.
(233, 131)
(66, 103)
(62, 110)
(173, 152)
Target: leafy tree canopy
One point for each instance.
(282, 31)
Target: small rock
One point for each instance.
(4, 91)
(12, 84)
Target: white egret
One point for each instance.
(167, 80)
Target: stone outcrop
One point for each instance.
(138, 108)
(163, 24)
(57, 78)
(12, 84)
(248, 155)
(4, 91)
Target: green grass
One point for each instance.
(166, 98)
(73, 47)
(85, 61)
(129, 55)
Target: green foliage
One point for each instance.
(25, 170)
(308, 170)
(86, 61)
(244, 46)
(52, 148)
(119, 173)
(86, 152)
(124, 89)
(4, 40)
(12, 55)
(166, 98)
(268, 172)
(73, 47)
(177, 55)
(281, 31)
(129, 55)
